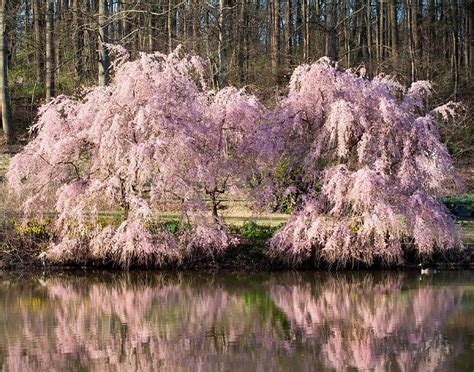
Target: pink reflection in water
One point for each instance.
(190, 322)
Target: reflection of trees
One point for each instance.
(367, 323)
(128, 321)
(172, 321)
(122, 325)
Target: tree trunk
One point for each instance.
(126, 27)
(120, 23)
(431, 38)
(303, 29)
(305, 11)
(103, 65)
(49, 81)
(415, 29)
(58, 20)
(455, 66)
(299, 27)
(287, 33)
(195, 26)
(347, 34)
(169, 25)
(222, 45)
(381, 31)
(78, 38)
(38, 42)
(7, 123)
(89, 47)
(411, 42)
(275, 40)
(392, 13)
(151, 46)
(470, 38)
(331, 34)
(369, 34)
(455, 50)
(241, 37)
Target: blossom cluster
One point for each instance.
(362, 159)
(372, 166)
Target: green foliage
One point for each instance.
(467, 228)
(354, 227)
(34, 229)
(286, 175)
(174, 227)
(288, 204)
(251, 229)
(281, 172)
(109, 220)
(460, 205)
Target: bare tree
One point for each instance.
(103, 65)
(331, 34)
(275, 39)
(49, 80)
(7, 123)
(470, 37)
(222, 45)
(77, 38)
(38, 42)
(392, 12)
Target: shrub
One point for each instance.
(358, 161)
(156, 135)
(372, 167)
(460, 205)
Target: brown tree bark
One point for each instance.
(241, 35)
(170, 25)
(306, 36)
(103, 65)
(392, 18)
(49, 78)
(470, 38)
(275, 38)
(58, 47)
(287, 33)
(415, 29)
(368, 17)
(431, 42)
(331, 33)
(7, 123)
(39, 66)
(78, 38)
(222, 45)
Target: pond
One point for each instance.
(302, 321)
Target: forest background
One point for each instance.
(56, 47)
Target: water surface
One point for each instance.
(148, 321)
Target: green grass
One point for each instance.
(460, 205)
(467, 230)
(251, 229)
(264, 226)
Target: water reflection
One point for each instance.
(367, 323)
(286, 321)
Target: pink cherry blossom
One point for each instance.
(371, 164)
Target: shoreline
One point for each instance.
(247, 257)
(19, 253)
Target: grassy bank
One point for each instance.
(21, 247)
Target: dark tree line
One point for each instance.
(56, 46)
